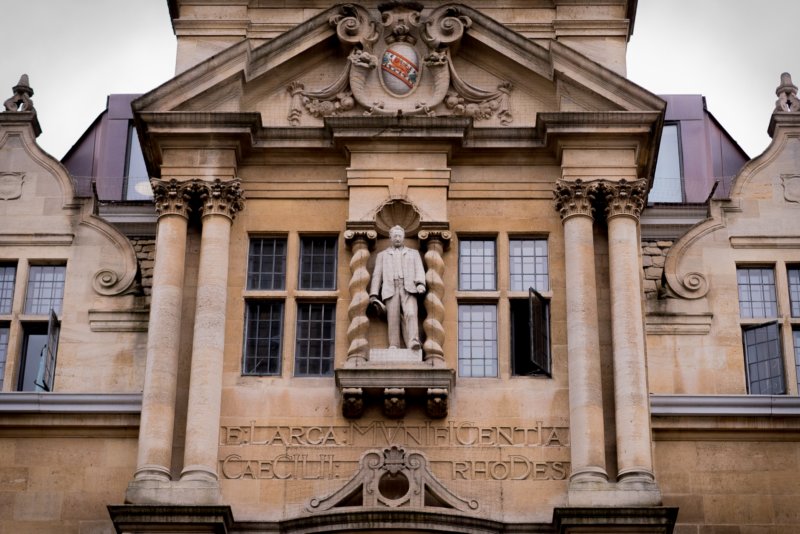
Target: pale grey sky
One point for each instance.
(78, 51)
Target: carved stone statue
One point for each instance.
(396, 281)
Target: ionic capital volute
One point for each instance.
(573, 198)
(173, 197)
(625, 198)
(352, 236)
(221, 197)
(441, 236)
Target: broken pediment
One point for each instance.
(393, 478)
(401, 59)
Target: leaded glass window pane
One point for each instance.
(263, 335)
(477, 340)
(476, 265)
(4, 333)
(314, 350)
(757, 292)
(528, 260)
(266, 263)
(8, 275)
(763, 358)
(45, 289)
(794, 290)
(318, 263)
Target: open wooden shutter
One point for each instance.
(539, 318)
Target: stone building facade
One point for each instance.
(246, 382)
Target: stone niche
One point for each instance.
(396, 313)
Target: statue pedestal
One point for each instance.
(392, 355)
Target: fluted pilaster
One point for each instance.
(359, 242)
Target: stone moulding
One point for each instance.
(371, 60)
(393, 478)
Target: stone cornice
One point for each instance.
(30, 402)
(724, 405)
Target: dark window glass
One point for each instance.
(476, 265)
(263, 334)
(4, 333)
(45, 289)
(794, 290)
(530, 335)
(8, 275)
(762, 348)
(34, 357)
(266, 263)
(757, 292)
(528, 260)
(477, 340)
(796, 339)
(314, 350)
(318, 263)
(668, 183)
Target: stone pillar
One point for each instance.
(220, 202)
(359, 242)
(573, 200)
(435, 243)
(163, 341)
(625, 201)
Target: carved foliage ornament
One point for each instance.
(173, 197)
(401, 65)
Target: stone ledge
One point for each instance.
(31, 402)
(119, 320)
(724, 405)
(130, 518)
(195, 493)
(642, 520)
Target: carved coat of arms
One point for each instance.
(401, 65)
(11, 185)
(791, 187)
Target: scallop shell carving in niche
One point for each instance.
(397, 212)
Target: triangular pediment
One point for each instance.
(353, 61)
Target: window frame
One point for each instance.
(787, 324)
(680, 177)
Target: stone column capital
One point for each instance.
(573, 198)
(625, 197)
(172, 197)
(351, 236)
(220, 197)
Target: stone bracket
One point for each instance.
(396, 388)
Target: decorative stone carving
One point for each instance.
(11, 185)
(220, 198)
(394, 402)
(397, 212)
(436, 242)
(624, 197)
(574, 198)
(415, 69)
(359, 242)
(21, 100)
(787, 95)
(791, 187)
(173, 197)
(393, 478)
(436, 406)
(352, 402)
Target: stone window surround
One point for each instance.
(291, 296)
(502, 295)
(786, 322)
(16, 321)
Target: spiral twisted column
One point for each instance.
(172, 202)
(573, 201)
(436, 242)
(625, 201)
(359, 242)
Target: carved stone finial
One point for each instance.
(625, 197)
(21, 101)
(221, 198)
(574, 198)
(787, 95)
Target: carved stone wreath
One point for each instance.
(401, 65)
